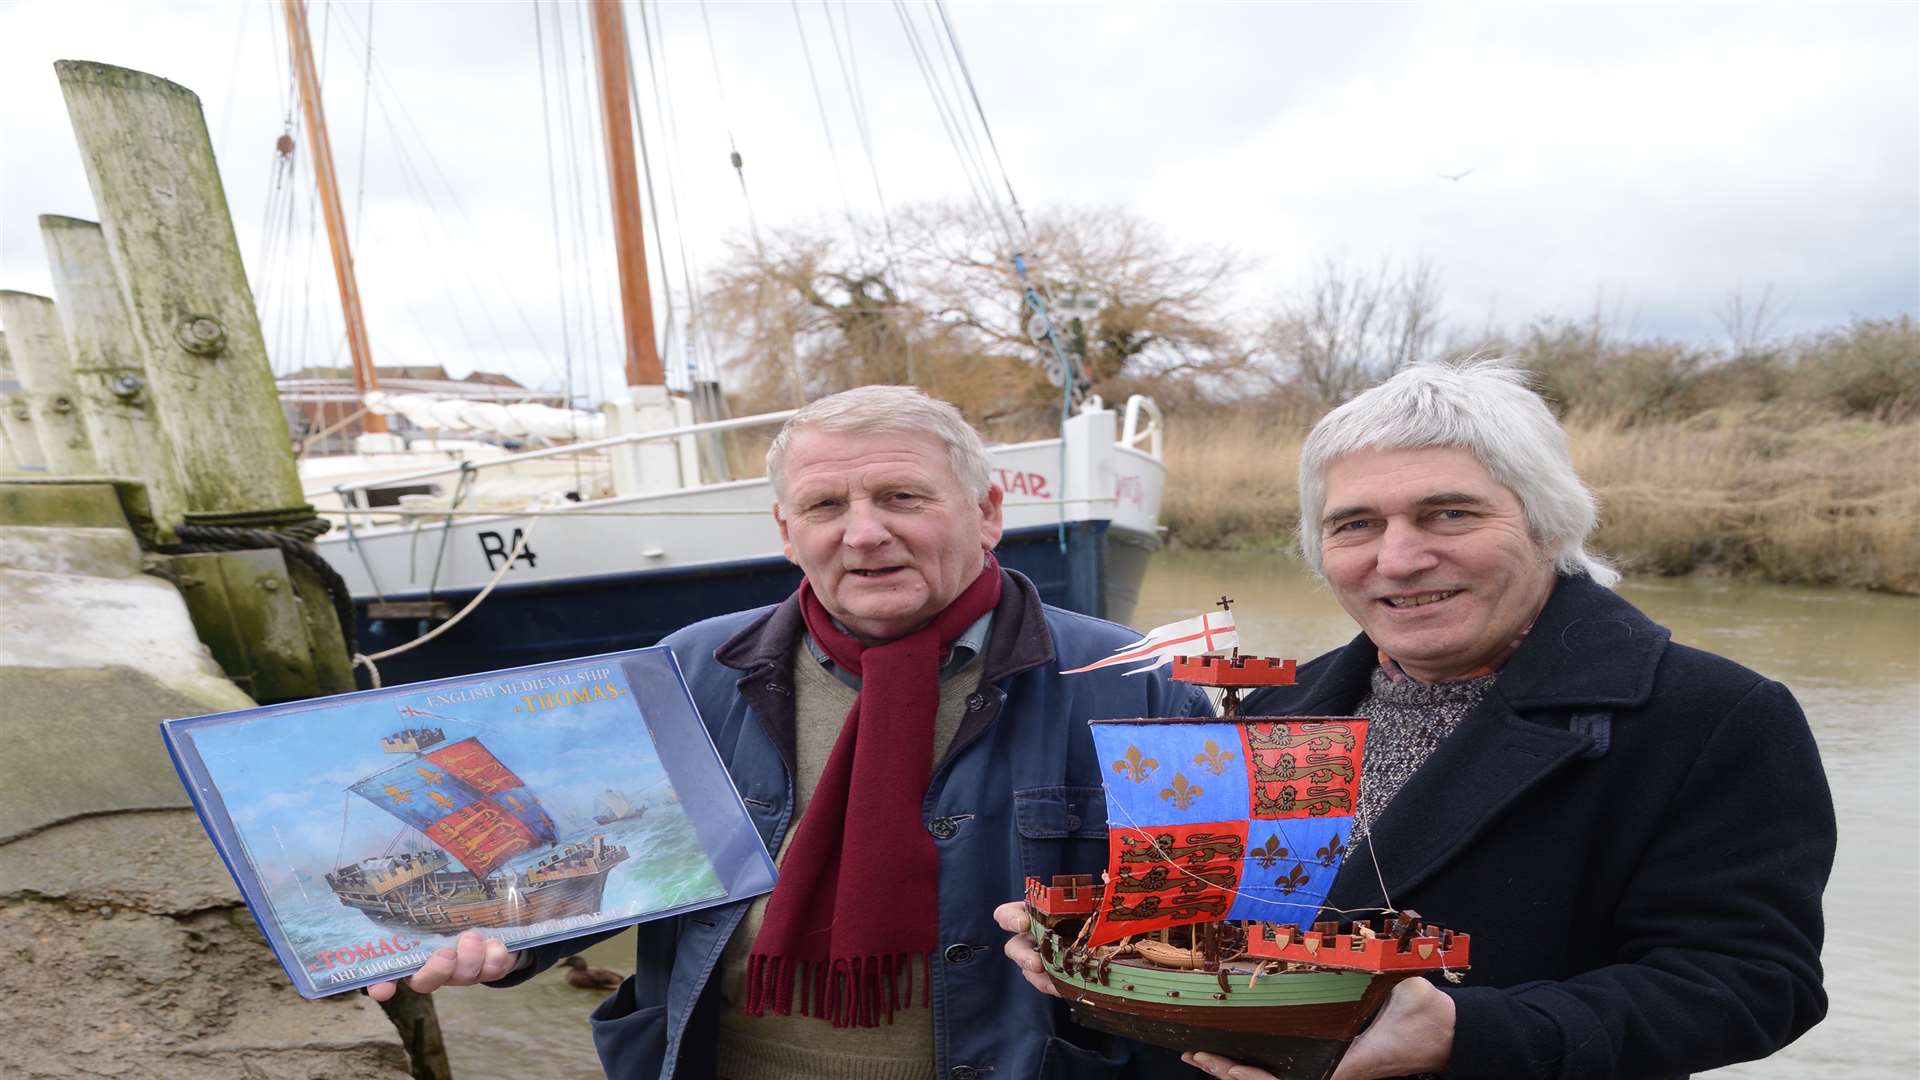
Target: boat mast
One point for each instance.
(623, 176)
(300, 48)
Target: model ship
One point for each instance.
(484, 823)
(1224, 836)
(613, 806)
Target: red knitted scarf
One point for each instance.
(859, 886)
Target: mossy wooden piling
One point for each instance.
(143, 141)
(169, 234)
(16, 419)
(108, 369)
(40, 365)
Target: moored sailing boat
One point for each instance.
(640, 532)
(1223, 839)
(482, 818)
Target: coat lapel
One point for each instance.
(1589, 648)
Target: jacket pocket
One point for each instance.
(630, 1041)
(1063, 830)
(1062, 1060)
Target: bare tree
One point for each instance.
(937, 302)
(1353, 326)
(1750, 328)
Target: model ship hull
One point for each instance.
(1293, 1023)
(608, 819)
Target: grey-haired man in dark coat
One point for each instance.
(1636, 833)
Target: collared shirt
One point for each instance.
(968, 645)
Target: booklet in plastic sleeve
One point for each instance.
(533, 804)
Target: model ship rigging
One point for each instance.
(484, 821)
(1224, 837)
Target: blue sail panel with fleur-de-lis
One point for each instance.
(1172, 774)
(1290, 865)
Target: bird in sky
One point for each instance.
(1455, 177)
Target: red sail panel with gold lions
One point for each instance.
(476, 765)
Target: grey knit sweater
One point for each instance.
(1409, 721)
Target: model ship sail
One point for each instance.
(462, 798)
(1210, 821)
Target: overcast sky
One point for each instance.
(1649, 160)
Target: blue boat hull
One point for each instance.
(1098, 574)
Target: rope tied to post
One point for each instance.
(291, 532)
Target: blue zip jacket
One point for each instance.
(1018, 793)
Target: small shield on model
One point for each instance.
(1425, 949)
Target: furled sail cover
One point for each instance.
(1224, 819)
(464, 800)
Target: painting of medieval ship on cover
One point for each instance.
(368, 829)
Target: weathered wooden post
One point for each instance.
(107, 367)
(164, 214)
(16, 419)
(169, 233)
(40, 363)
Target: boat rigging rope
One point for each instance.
(698, 365)
(833, 154)
(233, 81)
(849, 74)
(519, 545)
(419, 180)
(1130, 826)
(796, 384)
(954, 40)
(366, 100)
(646, 171)
(586, 260)
(1037, 297)
(733, 147)
(949, 121)
(553, 214)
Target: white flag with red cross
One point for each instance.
(1205, 633)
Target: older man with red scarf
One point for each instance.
(902, 736)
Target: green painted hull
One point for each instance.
(1296, 1024)
(1201, 989)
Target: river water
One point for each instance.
(1852, 658)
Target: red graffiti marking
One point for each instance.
(1031, 484)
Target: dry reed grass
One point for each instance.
(1771, 492)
